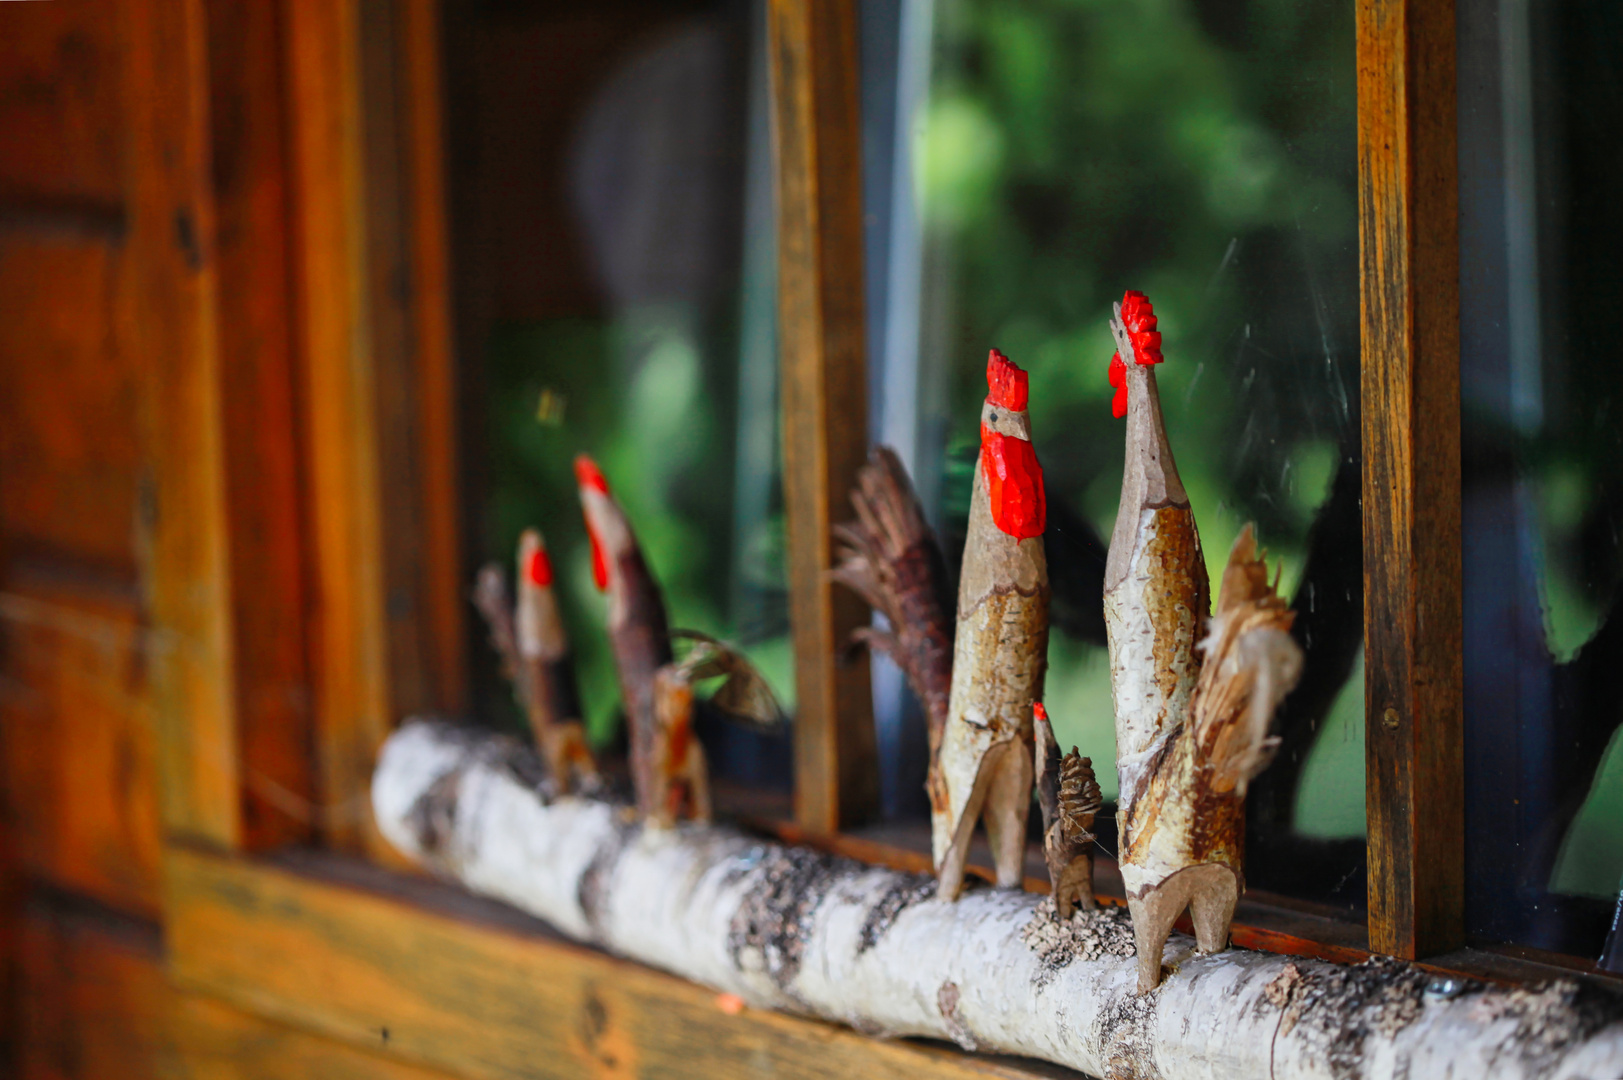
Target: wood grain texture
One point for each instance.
(816, 140)
(81, 785)
(92, 997)
(70, 395)
(270, 611)
(481, 998)
(377, 387)
(209, 1040)
(1409, 273)
(353, 699)
(444, 575)
(95, 1002)
(167, 308)
(61, 102)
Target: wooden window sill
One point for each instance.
(426, 973)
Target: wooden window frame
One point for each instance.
(370, 368)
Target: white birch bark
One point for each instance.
(791, 929)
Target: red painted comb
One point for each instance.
(588, 475)
(1039, 712)
(538, 568)
(1005, 383)
(1138, 316)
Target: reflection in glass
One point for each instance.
(648, 162)
(1540, 112)
(1045, 157)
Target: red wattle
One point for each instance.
(600, 563)
(1014, 484)
(1006, 384)
(1118, 379)
(1038, 712)
(538, 570)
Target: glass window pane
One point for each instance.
(1047, 155)
(1541, 109)
(619, 265)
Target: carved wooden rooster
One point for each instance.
(983, 769)
(638, 631)
(1188, 736)
(530, 638)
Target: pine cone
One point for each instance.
(1079, 797)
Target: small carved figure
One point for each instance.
(1069, 797)
(680, 774)
(530, 638)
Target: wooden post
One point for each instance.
(167, 308)
(817, 141)
(1409, 273)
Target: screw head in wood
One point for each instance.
(1389, 719)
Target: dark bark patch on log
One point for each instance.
(1338, 1008)
(592, 889)
(1086, 935)
(776, 914)
(907, 890)
(1125, 1031)
(432, 817)
(946, 1000)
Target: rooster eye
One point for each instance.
(992, 419)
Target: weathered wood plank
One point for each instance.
(353, 698)
(1409, 273)
(824, 395)
(92, 1000)
(167, 310)
(444, 579)
(377, 394)
(70, 392)
(81, 786)
(95, 1001)
(270, 612)
(61, 102)
(481, 998)
(212, 1041)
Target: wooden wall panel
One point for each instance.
(93, 998)
(69, 399)
(95, 1003)
(60, 103)
(81, 779)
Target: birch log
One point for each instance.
(795, 930)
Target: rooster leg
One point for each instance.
(1211, 904)
(1008, 802)
(698, 781)
(950, 868)
(1073, 884)
(1209, 891)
